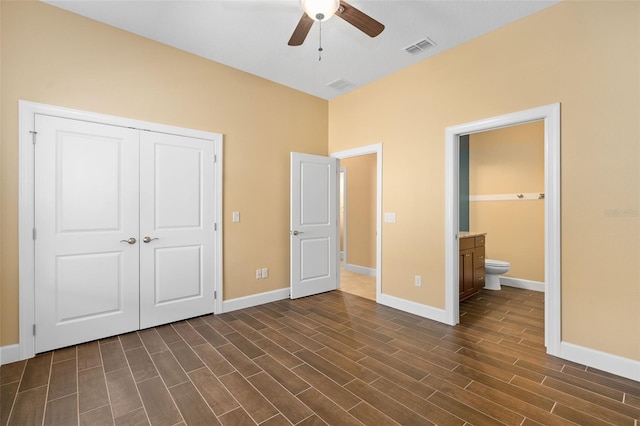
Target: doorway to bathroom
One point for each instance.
(360, 220)
(502, 196)
(550, 117)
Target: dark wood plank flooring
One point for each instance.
(332, 358)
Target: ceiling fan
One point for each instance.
(321, 10)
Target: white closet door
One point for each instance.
(177, 220)
(86, 205)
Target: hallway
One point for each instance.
(358, 284)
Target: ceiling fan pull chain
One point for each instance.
(320, 42)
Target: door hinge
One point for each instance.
(34, 234)
(215, 158)
(215, 226)
(34, 329)
(215, 295)
(33, 136)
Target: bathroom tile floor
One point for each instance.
(333, 358)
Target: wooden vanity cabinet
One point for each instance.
(471, 265)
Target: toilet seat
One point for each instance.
(494, 268)
(496, 263)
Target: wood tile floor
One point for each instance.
(333, 359)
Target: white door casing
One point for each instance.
(552, 253)
(86, 204)
(356, 152)
(314, 226)
(176, 228)
(88, 195)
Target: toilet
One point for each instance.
(493, 269)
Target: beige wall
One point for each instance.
(55, 57)
(510, 161)
(585, 55)
(361, 210)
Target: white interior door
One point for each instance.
(315, 229)
(176, 228)
(86, 226)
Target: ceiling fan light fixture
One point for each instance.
(320, 10)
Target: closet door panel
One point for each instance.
(177, 223)
(86, 210)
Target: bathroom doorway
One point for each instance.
(502, 196)
(360, 220)
(550, 116)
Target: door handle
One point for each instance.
(149, 239)
(130, 241)
(297, 232)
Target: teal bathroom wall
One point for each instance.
(464, 183)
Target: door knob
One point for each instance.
(130, 241)
(149, 239)
(297, 232)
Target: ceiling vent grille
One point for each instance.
(341, 84)
(419, 46)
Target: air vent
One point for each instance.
(419, 46)
(341, 84)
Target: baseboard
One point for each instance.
(610, 363)
(360, 269)
(419, 309)
(520, 283)
(613, 364)
(9, 354)
(255, 300)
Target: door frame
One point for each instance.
(26, 203)
(343, 213)
(356, 152)
(550, 114)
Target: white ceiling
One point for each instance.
(252, 35)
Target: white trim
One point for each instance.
(525, 196)
(356, 152)
(520, 283)
(27, 111)
(343, 217)
(359, 269)
(551, 116)
(613, 364)
(255, 299)
(26, 221)
(218, 261)
(419, 309)
(94, 117)
(9, 353)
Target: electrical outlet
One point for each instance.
(258, 274)
(265, 272)
(418, 281)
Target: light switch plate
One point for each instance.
(390, 217)
(236, 216)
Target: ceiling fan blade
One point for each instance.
(301, 31)
(360, 20)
